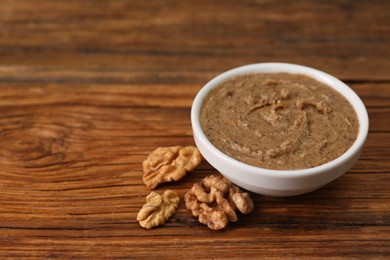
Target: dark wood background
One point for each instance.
(89, 88)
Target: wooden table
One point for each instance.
(89, 88)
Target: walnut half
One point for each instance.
(216, 200)
(158, 209)
(167, 164)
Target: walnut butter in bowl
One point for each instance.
(279, 129)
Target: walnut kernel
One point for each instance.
(215, 201)
(167, 164)
(158, 209)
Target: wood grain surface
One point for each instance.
(89, 88)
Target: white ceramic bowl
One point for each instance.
(279, 182)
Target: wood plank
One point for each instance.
(89, 88)
(268, 243)
(193, 36)
(101, 110)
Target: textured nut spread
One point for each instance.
(279, 120)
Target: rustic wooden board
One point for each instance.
(89, 88)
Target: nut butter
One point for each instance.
(278, 121)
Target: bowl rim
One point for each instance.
(273, 67)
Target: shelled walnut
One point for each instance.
(216, 200)
(158, 209)
(167, 164)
